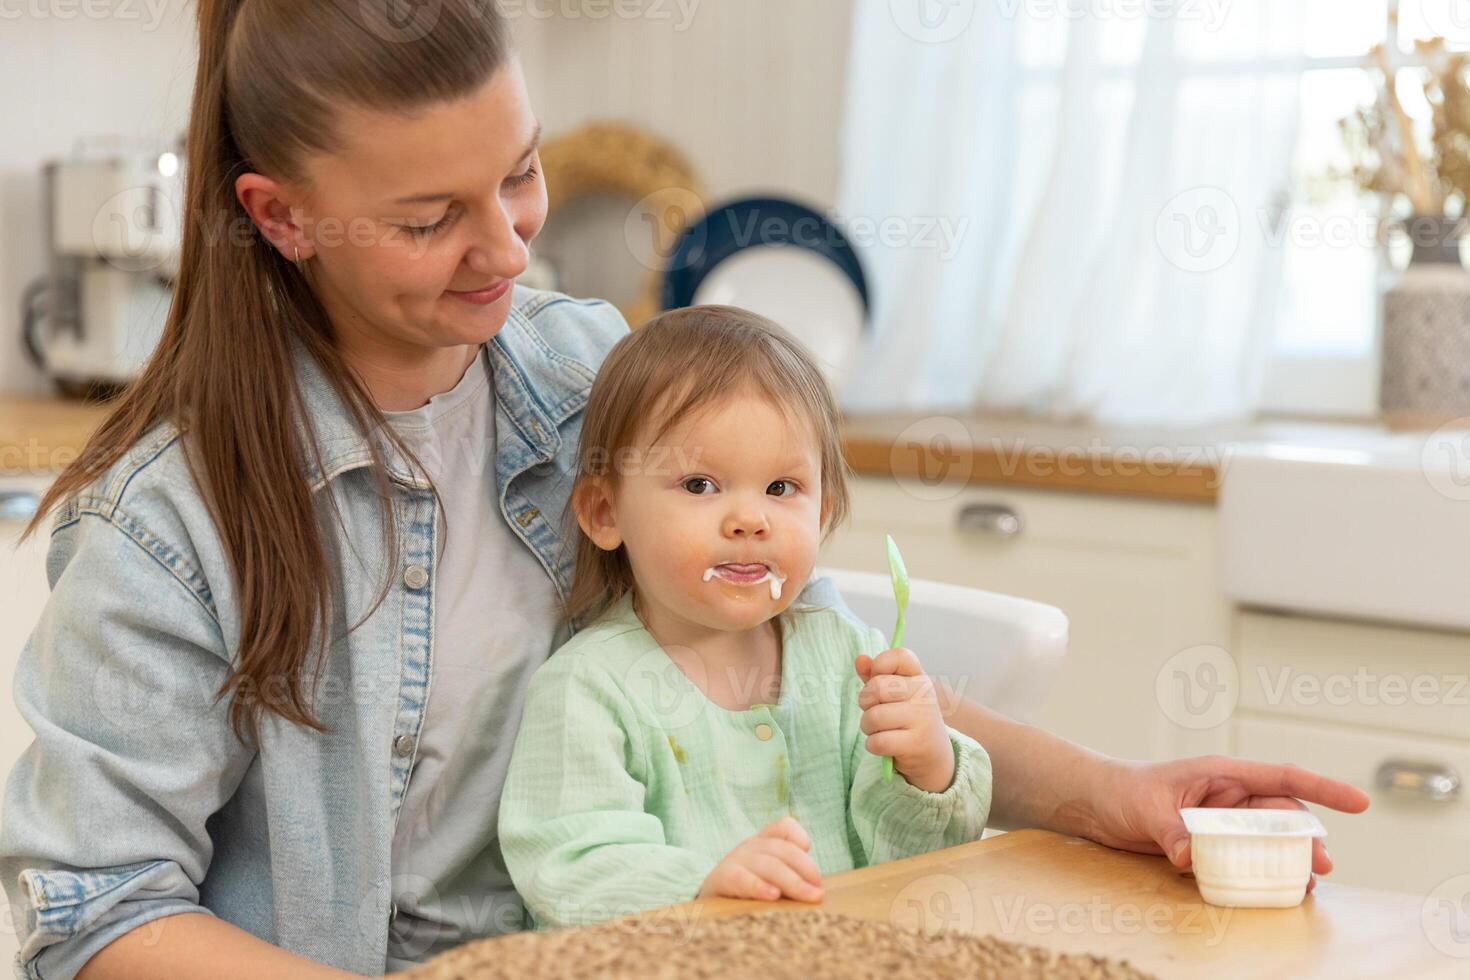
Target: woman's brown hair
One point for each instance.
(272, 76)
(678, 363)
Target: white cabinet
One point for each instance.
(1384, 708)
(1136, 578)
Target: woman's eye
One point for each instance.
(520, 180)
(694, 482)
(782, 483)
(426, 230)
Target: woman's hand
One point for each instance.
(901, 718)
(1136, 805)
(773, 863)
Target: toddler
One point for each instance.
(705, 734)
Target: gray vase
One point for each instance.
(1426, 330)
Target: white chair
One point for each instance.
(998, 650)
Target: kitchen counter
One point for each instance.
(40, 435)
(1181, 464)
(1073, 896)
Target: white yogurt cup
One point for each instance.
(1252, 859)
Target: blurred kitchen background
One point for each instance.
(1150, 310)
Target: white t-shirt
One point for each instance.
(495, 612)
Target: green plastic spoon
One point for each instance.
(900, 596)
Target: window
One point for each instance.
(1326, 356)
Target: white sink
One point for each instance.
(1377, 528)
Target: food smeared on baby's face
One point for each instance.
(722, 515)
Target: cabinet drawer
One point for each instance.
(1355, 673)
(1405, 841)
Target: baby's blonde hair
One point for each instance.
(678, 363)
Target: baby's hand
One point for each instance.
(901, 718)
(773, 863)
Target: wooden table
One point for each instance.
(1074, 896)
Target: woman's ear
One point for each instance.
(269, 205)
(592, 500)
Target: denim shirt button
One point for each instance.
(415, 577)
(403, 745)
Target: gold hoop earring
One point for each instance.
(298, 255)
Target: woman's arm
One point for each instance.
(1045, 781)
(194, 945)
(104, 827)
(1040, 780)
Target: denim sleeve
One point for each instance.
(104, 816)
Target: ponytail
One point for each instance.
(270, 74)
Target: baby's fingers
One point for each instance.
(899, 660)
(793, 857)
(742, 882)
(887, 717)
(787, 828)
(777, 872)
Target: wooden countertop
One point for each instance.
(42, 434)
(1180, 464)
(1074, 896)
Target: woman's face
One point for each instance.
(417, 227)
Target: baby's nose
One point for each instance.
(746, 525)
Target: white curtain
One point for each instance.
(1068, 208)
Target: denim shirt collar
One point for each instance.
(536, 390)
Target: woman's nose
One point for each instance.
(499, 249)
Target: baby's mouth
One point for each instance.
(747, 573)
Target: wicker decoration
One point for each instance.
(624, 161)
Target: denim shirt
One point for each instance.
(136, 800)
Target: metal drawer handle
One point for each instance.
(19, 505)
(1429, 781)
(996, 519)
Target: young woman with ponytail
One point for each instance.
(315, 549)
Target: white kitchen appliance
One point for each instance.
(113, 232)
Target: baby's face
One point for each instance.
(727, 504)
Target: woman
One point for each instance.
(345, 464)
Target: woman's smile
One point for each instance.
(484, 296)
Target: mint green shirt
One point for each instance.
(628, 785)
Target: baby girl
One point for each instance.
(704, 734)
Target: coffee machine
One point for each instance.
(113, 232)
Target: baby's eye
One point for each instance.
(695, 481)
(782, 483)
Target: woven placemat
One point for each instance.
(804, 946)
